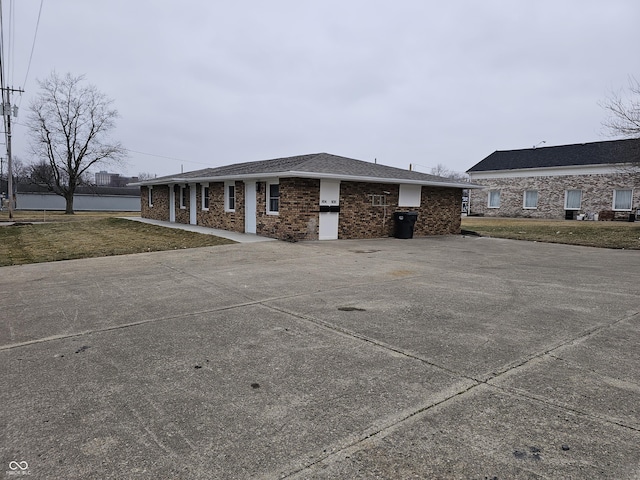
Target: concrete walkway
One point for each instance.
(235, 236)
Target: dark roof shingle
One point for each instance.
(317, 163)
(596, 153)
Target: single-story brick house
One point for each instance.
(307, 197)
(559, 182)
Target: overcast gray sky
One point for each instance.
(405, 81)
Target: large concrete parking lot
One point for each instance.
(447, 357)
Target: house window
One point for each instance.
(150, 196)
(622, 199)
(378, 200)
(530, 199)
(572, 199)
(494, 199)
(183, 196)
(205, 197)
(230, 196)
(273, 197)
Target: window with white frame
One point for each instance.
(205, 196)
(273, 198)
(150, 196)
(622, 199)
(494, 199)
(230, 196)
(530, 199)
(572, 199)
(183, 196)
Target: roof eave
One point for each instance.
(318, 175)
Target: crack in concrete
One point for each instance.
(385, 430)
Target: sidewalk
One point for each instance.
(235, 236)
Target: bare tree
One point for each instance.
(41, 173)
(442, 171)
(69, 124)
(146, 176)
(623, 107)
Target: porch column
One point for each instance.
(172, 202)
(193, 207)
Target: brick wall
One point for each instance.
(182, 213)
(160, 208)
(439, 213)
(597, 194)
(297, 218)
(216, 216)
(298, 214)
(359, 218)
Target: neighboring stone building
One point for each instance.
(307, 197)
(559, 182)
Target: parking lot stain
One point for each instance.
(351, 309)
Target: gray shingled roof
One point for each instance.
(596, 153)
(303, 165)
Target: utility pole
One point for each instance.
(7, 111)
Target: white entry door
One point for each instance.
(249, 207)
(329, 209)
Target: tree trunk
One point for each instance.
(69, 201)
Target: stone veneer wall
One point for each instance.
(597, 194)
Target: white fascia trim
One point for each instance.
(333, 176)
(601, 169)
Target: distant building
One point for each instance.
(559, 182)
(106, 179)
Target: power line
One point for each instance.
(33, 46)
(168, 158)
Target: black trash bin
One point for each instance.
(404, 223)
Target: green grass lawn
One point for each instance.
(91, 236)
(99, 234)
(573, 232)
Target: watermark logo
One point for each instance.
(18, 468)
